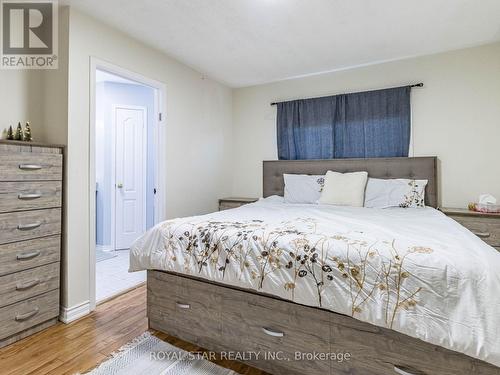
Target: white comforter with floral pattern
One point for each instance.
(412, 270)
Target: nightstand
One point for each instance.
(485, 226)
(228, 203)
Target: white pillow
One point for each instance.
(303, 188)
(395, 193)
(344, 189)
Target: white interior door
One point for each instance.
(130, 174)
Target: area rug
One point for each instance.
(149, 355)
(103, 255)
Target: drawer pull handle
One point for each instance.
(26, 316)
(30, 167)
(29, 196)
(406, 371)
(273, 333)
(26, 256)
(482, 234)
(184, 306)
(29, 226)
(28, 285)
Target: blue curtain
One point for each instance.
(360, 125)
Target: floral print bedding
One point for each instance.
(412, 270)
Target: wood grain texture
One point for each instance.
(31, 253)
(83, 344)
(228, 203)
(22, 196)
(196, 310)
(48, 223)
(50, 166)
(239, 199)
(29, 283)
(485, 227)
(26, 314)
(248, 324)
(30, 237)
(465, 212)
(51, 148)
(28, 332)
(373, 350)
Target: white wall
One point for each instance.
(198, 127)
(20, 92)
(456, 116)
(54, 94)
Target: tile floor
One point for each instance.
(112, 276)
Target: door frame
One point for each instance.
(113, 169)
(160, 154)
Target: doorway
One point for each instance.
(131, 174)
(126, 128)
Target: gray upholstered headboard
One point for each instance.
(420, 168)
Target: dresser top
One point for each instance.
(239, 199)
(466, 212)
(34, 144)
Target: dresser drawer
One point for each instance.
(488, 229)
(19, 226)
(26, 284)
(25, 166)
(274, 328)
(23, 315)
(229, 205)
(21, 196)
(19, 256)
(189, 311)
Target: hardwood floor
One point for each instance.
(81, 345)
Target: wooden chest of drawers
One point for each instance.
(30, 238)
(485, 226)
(228, 203)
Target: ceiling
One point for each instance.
(248, 42)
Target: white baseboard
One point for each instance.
(104, 247)
(70, 314)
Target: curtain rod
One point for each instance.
(420, 84)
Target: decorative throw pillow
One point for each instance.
(397, 192)
(303, 188)
(344, 189)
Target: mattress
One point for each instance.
(415, 271)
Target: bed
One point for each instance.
(318, 289)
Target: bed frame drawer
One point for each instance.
(380, 351)
(26, 284)
(19, 226)
(276, 332)
(186, 310)
(21, 196)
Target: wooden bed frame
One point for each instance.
(286, 338)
